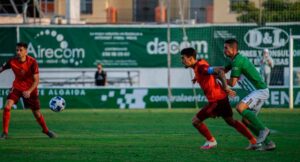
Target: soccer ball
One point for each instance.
(57, 104)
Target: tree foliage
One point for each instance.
(272, 11)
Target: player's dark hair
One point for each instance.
(22, 44)
(190, 52)
(232, 42)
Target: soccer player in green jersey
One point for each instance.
(245, 74)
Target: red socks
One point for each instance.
(244, 131)
(204, 131)
(6, 118)
(42, 123)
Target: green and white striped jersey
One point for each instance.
(249, 77)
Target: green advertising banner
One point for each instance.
(141, 98)
(85, 47)
(8, 43)
(253, 40)
(135, 46)
(111, 46)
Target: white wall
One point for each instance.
(148, 77)
(180, 77)
(6, 78)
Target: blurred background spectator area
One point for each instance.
(148, 11)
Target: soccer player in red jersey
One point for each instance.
(25, 69)
(216, 94)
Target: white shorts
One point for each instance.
(256, 99)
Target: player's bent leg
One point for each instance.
(40, 119)
(263, 133)
(244, 110)
(267, 145)
(254, 131)
(241, 128)
(202, 129)
(250, 127)
(6, 118)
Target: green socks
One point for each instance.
(249, 115)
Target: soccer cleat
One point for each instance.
(253, 146)
(267, 147)
(270, 146)
(208, 145)
(50, 134)
(3, 136)
(263, 134)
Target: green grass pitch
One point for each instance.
(142, 135)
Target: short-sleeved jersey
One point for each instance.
(23, 71)
(249, 77)
(211, 87)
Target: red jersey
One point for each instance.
(23, 71)
(212, 89)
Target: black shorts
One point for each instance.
(220, 108)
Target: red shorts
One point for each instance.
(215, 109)
(32, 102)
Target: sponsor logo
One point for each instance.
(64, 92)
(266, 37)
(178, 98)
(157, 47)
(57, 52)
